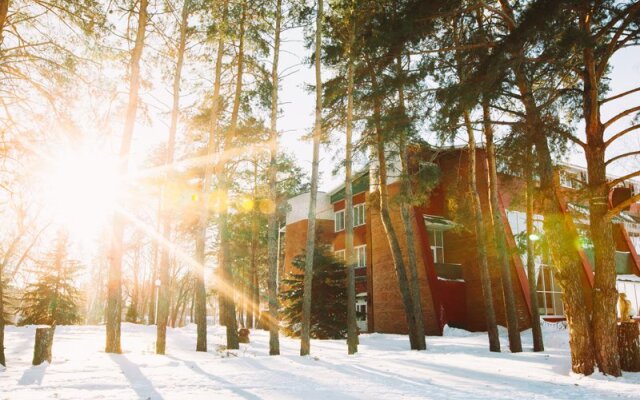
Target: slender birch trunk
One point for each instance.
(515, 343)
(481, 238)
(114, 287)
(538, 344)
(305, 345)
(352, 327)
(274, 340)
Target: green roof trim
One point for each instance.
(436, 222)
(359, 185)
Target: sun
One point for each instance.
(81, 189)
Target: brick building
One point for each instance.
(445, 244)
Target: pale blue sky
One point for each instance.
(298, 107)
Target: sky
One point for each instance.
(297, 112)
(298, 108)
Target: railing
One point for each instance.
(623, 260)
(449, 271)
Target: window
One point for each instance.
(358, 215)
(339, 255)
(549, 294)
(339, 220)
(361, 256)
(436, 241)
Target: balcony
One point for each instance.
(624, 263)
(448, 271)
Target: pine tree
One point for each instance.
(53, 298)
(329, 314)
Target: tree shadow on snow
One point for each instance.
(228, 385)
(34, 375)
(139, 382)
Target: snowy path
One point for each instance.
(456, 366)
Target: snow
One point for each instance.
(456, 366)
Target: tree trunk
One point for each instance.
(394, 244)
(629, 346)
(605, 294)
(3, 361)
(305, 345)
(43, 344)
(515, 344)
(476, 207)
(392, 237)
(228, 291)
(352, 326)
(538, 344)
(4, 11)
(203, 220)
(114, 288)
(407, 215)
(568, 271)
(166, 251)
(155, 267)
(272, 239)
(247, 298)
(567, 268)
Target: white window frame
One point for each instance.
(361, 256)
(548, 289)
(358, 213)
(340, 254)
(336, 227)
(436, 248)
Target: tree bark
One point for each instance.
(272, 239)
(605, 294)
(114, 288)
(390, 232)
(352, 327)
(305, 345)
(247, 298)
(166, 252)
(485, 278)
(515, 344)
(228, 291)
(203, 220)
(629, 346)
(407, 215)
(43, 345)
(567, 268)
(3, 361)
(4, 11)
(538, 344)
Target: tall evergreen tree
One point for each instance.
(53, 298)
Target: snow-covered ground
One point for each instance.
(456, 366)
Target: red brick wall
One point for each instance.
(451, 200)
(388, 310)
(295, 239)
